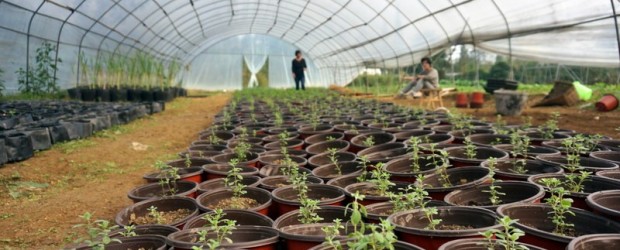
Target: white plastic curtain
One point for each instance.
(341, 36)
(255, 63)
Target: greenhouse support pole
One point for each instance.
(613, 8)
(28, 43)
(60, 33)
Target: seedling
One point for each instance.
(188, 161)
(358, 212)
(378, 237)
(550, 126)
(560, 206)
(500, 126)
(98, 232)
(415, 196)
(333, 158)
(331, 233)
(442, 170)
(506, 238)
(234, 179)
(520, 146)
(308, 206)
(369, 141)
(330, 138)
(414, 148)
(381, 180)
(129, 231)
(365, 165)
(493, 191)
(157, 215)
(576, 176)
(470, 148)
(222, 228)
(169, 177)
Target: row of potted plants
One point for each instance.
(116, 77)
(278, 168)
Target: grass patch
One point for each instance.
(69, 147)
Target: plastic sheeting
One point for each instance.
(341, 36)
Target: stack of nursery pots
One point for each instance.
(282, 170)
(29, 126)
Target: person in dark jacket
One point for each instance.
(299, 67)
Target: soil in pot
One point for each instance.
(155, 190)
(382, 210)
(513, 170)
(271, 170)
(279, 159)
(287, 197)
(590, 185)
(296, 144)
(255, 199)
(405, 136)
(251, 159)
(128, 215)
(538, 137)
(535, 221)
(605, 203)
(242, 237)
(458, 178)
(457, 223)
(459, 158)
(324, 137)
(513, 191)
(373, 195)
(193, 174)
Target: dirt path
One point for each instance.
(92, 175)
(586, 120)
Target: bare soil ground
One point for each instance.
(92, 175)
(583, 120)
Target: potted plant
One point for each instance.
(172, 211)
(236, 195)
(470, 155)
(289, 198)
(555, 224)
(168, 185)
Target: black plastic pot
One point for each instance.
(102, 95)
(288, 224)
(219, 183)
(382, 210)
(537, 137)
(383, 153)
(459, 135)
(479, 244)
(329, 171)
(193, 174)
(505, 169)
(401, 169)
(399, 245)
(489, 140)
(411, 225)
(273, 182)
(606, 203)
(592, 165)
(262, 197)
(406, 135)
(242, 237)
(307, 131)
(278, 159)
(611, 156)
(271, 170)
(513, 192)
(123, 218)
(613, 145)
(532, 151)
(88, 95)
(251, 159)
(154, 242)
(40, 137)
(611, 174)
(458, 158)
(161, 230)
(534, 220)
(287, 199)
(378, 138)
(590, 185)
(74, 94)
(155, 190)
(241, 218)
(323, 137)
(460, 178)
(18, 146)
(595, 242)
(3, 158)
(322, 147)
(323, 159)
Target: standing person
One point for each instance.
(299, 67)
(427, 79)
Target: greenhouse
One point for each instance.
(316, 124)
